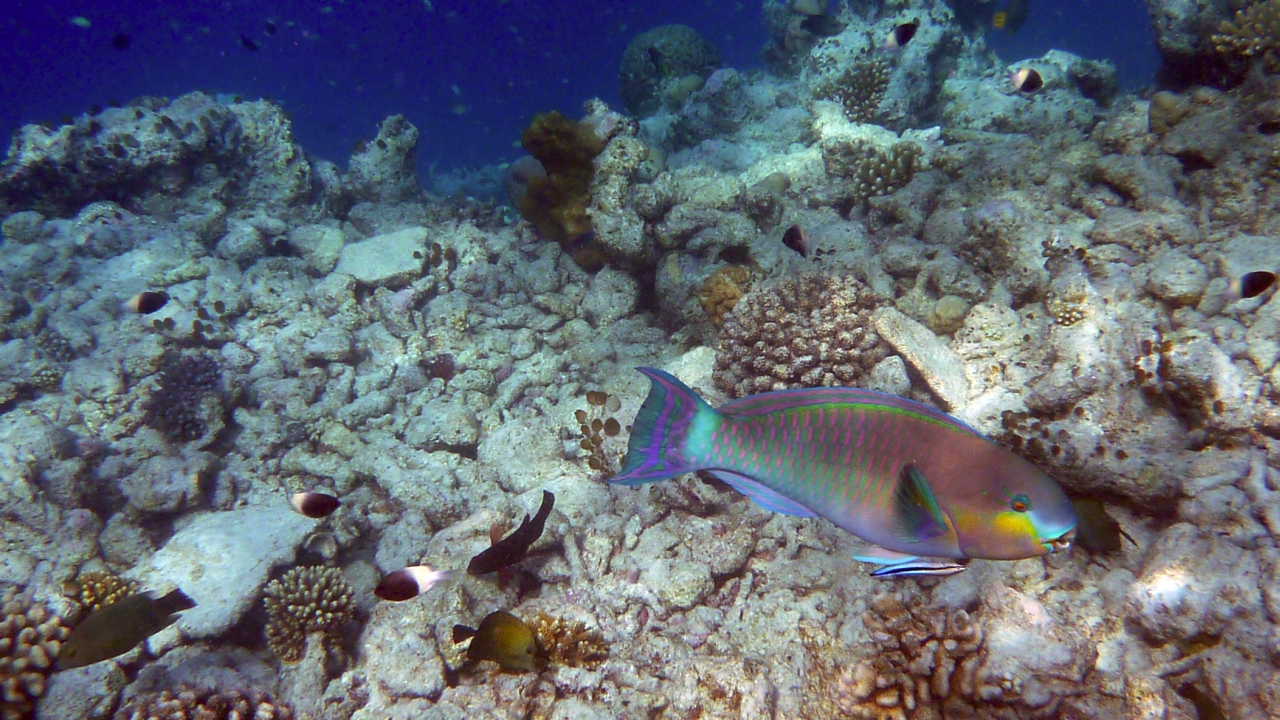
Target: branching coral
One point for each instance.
(803, 331)
(568, 642)
(860, 88)
(306, 600)
(176, 407)
(557, 203)
(30, 637)
(95, 590)
(189, 703)
(1254, 33)
(722, 290)
(926, 664)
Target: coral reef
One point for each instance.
(383, 171)
(565, 641)
(597, 427)
(722, 290)
(306, 601)
(860, 88)
(1253, 34)
(557, 202)
(192, 703)
(30, 636)
(803, 331)
(657, 59)
(97, 589)
(177, 407)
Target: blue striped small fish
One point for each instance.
(914, 482)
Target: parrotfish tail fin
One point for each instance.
(660, 433)
(175, 601)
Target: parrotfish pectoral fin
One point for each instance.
(763, 496)
(660, 432)
(877, 555)
(934, 568)
(920, 517)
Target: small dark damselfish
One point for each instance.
(513, 548)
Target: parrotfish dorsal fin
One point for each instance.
(764, 497)
(919, 515)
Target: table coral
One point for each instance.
(30, 637)
(802, 331)
(306, 600)
(190, 703)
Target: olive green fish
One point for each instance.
(502, 638)
(914, 482)
(119, 627)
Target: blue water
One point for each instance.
(470, 74)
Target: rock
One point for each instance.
(331, 344)
(221, 560)
(165, 484)
(318, 245)
(393, 259)
(444, 423)
(1177, 278)
(613, 295)
(890, 376)
(941, 369)
(242, 244)
(85, 692)
(680, 587)
(23, 227)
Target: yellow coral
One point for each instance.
(1254, 33)
(568, 642)
(95, 590)
(721, 292)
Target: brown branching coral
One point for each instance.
(1253, 34)
(557, 202)
(568, 642)
(722, 290)
(306, 600)
(803, 331)
(30, 637)
(189, 703)
(95, 590)
(927, 664)
(860, 88)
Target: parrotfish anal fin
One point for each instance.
(763, 496)
(919, 515)
(882, 556)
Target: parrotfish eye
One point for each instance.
(1020, 503)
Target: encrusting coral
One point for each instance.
(30, 637)
(175, 408)
(189, 703)
(1253, 34)
(304, 601)
(722, 290)
(556, 204)
(803, 331)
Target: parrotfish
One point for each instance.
(914, 482)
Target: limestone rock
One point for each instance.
(941, 369)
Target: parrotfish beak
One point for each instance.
(1061, 542)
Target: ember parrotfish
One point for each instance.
(913, 481)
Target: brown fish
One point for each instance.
(410, 582)
(512, 549)
(120, 627)
(146, 302)
(901, 35)
(797, 239)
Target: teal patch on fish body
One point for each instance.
(891, 471)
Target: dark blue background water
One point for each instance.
(469, 74)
